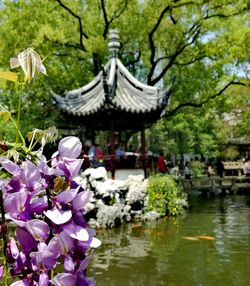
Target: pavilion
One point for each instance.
(114, 100)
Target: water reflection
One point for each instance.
(158, 254)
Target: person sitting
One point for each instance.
(91, 154)
(119, 156)
(119, 151)
(99, 155)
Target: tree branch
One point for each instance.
(82, 34)
(221, 15)
(115, 16)
(69, 45)
(172, 17)
(151, 42)
(190, 62)
(136, 60)
(178, 51)
(118, 14)
(154, 62)
(105, 19)
(200, 104)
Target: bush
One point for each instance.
(165, 196)
(197, 169)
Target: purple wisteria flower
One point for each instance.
(32, 177)
(75, 274)
(70, 147)
(10, 167)
(42, 259)
(48, 208)
(26, 241)
(65, 160)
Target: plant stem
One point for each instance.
(19, 113)
(18, 132)
(51, 272)
(4, 261)
(4, 246)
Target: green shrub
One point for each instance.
(197, 169)
(165, 196)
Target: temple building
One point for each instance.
(114, 100)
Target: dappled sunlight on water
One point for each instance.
(207, 246)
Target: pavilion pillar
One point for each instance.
(112, 149)
(143, 140)
(143, 148)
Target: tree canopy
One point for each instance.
(201, 45)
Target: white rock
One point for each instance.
(106, 187)
(87, 173)
(107, 215)
(99, 203)
(99, 173)
(152, 215)
(89, 207)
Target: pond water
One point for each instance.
(168, 251)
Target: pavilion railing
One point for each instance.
(131, 161)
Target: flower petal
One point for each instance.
(10, 166)
(68, 264)
(24, 282)
(95, 242)
(13, 248)
(70, 147)
(39, 205)
(69, 167)
(43, 279)
(60, 244)
(64, 279)
(57, 216)
(85, 262)
(32, 176)
(76, 232)
(15, 203)
(43, 260)
(38, 229)
(81, 200)
(25, 239)
(67, 196)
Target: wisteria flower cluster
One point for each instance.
(51, 243)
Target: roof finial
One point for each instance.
(114, 43)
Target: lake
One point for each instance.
(209, 245)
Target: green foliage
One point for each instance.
(165, 196)
(203, 44)
(231, 153)
(197, 169)
(7, 132)
(190, 132)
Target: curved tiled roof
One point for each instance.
(114, 88)
(83, 101)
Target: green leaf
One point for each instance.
(12, 76)
(5, 115)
